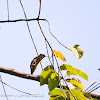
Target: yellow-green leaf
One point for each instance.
(75, 83)
(88, 96)
(56, 92)
(75, 52)
(56, 98)
(45, 75)
(54, 81)
(78, 52)
(79, 95)
(59, 55)
(73, 71)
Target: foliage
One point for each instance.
(45, 75)
(54, 81)
(73, 71)
(48, 75)
(76, 84)
(52, 78)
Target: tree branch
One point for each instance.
(33, 77)
(18, 20)
(19, 74)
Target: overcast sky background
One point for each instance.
(71, 21)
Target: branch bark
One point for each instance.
(32, 77)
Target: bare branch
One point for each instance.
(19, 74)
(94, 95)
(33, 77)
(19, 20)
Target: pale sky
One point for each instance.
(71, 21)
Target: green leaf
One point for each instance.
(54, 81)
(73, 71)
(94, 99)
(75, 46)
(83, 75)
(56, 92)
(88, 97)
(78, 52)
(79, 95)
(69, 68)
(45, 75)
(75, 83)
(56, 98)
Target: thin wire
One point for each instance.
(8, 8)
(4, 88)
(29, 30)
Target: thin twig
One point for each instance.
(48, 53)
(30, 31)
(56, 62)
(55, 59)
(19, 20)
(28, 26)
(39, 9)
(93, 88)
(17, 89)
(52, 60)
(34, 19)
(8, 8)
(91, 84)
(40, 26)
(4, 88)
(50, 48)
(55, 37)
